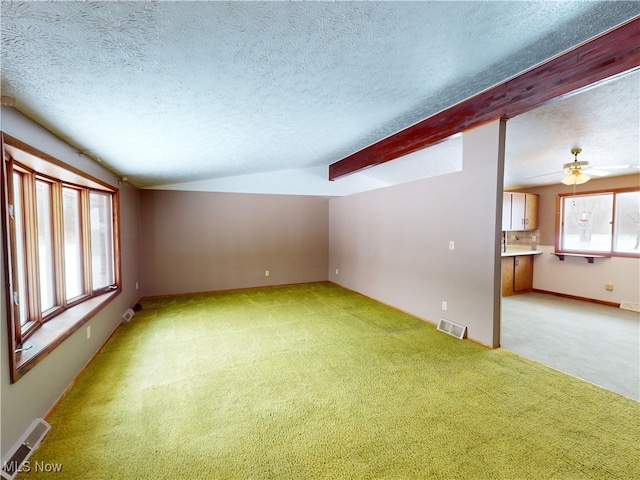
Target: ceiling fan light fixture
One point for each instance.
(576, 178)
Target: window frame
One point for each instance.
(614, 215)
(44, 331)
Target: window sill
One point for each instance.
(588, 256)
(52, 333)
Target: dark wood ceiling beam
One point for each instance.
(610, 54)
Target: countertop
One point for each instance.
(513, 253)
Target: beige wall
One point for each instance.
(199, 241)
(36, 392)
(392, 244)
(575, 276)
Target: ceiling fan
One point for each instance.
(578, 172)
(575, 170)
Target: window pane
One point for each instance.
(45, 245)
(21, 287)
(72, 232)
(627, 237)
(102, 267)
(587, 223)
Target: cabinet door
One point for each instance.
(523, 273)
(517, 211)
(506, 212)
(531, 212)
(507, 276)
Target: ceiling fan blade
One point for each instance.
(622, 167)
(598, 173)
(593, 171)
(548, 175)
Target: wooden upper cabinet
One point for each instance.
(519, 211)
(531, 211)
(506, 212)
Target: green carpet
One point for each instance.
(316, 382)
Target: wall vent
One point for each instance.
(634, 307)
(127, 315)
(452, 328)
(24, 448)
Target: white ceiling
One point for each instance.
(263, 96)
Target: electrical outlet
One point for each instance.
(608, 287)
(266, 273)
(451, 245)
(88, 332)
(136, 285)
(336, 271)
(444, 305)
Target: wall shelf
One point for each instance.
(589, 257)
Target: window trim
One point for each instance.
(50, 328)
(558, 226)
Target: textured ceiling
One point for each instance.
(174, 92)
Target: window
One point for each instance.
(19, 264)
(605, 223)
(44, 231)
(61, 256)
(101, 240)
(72, 235)
(627, 223)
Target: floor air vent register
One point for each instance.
(24, 448)
(634, 307)
(452, 328)
(126, 316)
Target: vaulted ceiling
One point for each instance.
(232, 95)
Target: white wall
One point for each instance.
(574, 276)
(37, 391)
(392, 244)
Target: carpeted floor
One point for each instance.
(598, 343)
(316, 382)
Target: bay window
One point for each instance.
(61, 243)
